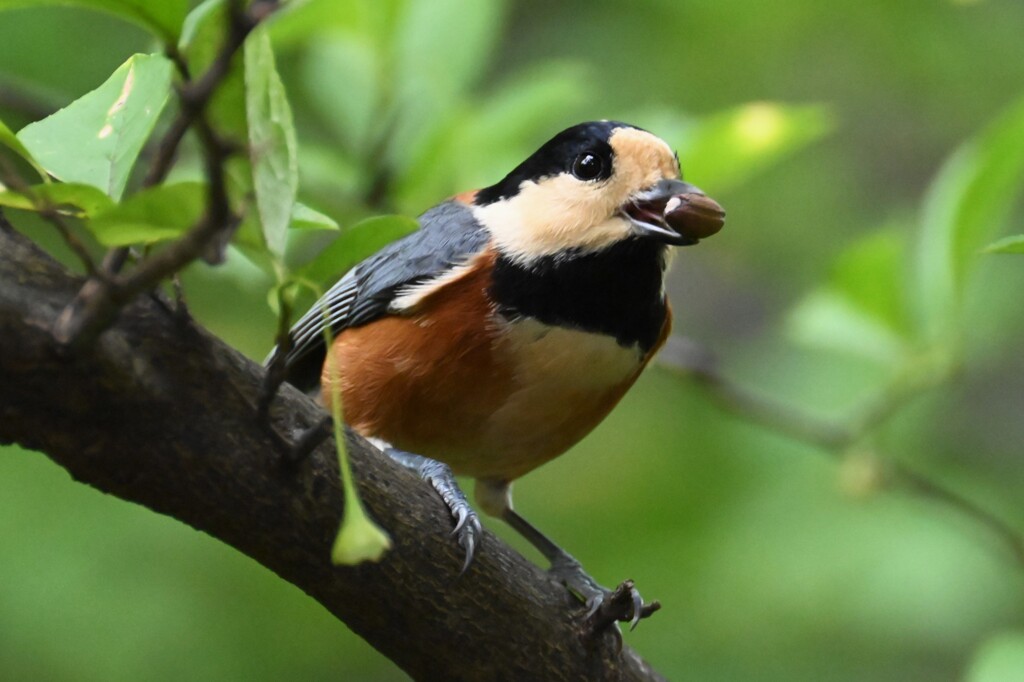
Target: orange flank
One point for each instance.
(494, 399)
(466, 197)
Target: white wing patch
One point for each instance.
(407, 298)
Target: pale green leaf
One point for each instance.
(272, 141)
(11, 141)
(725, 149)
(442, 47)
(965, 207)
(350, 112)
(203, 33)
(522, 113)
(359, 539)
(249, 240)
(355, 244)
(861, 308)
(76, 199)
(249, 234)
(871, 274)
(299, 20)
(202, 36)
(162, 18)
(999, 659)
(96, 139)
(227, 107)
(1012, 244)
(306, 218)
(152, 215)
(257, 256)
(325, 172)
(828, 320)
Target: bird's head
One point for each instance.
(591, 186)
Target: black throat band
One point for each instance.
(616, 291)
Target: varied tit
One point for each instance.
(507, 327)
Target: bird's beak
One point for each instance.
(674, 212)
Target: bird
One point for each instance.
(508, 326)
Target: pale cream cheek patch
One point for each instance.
(563, 212)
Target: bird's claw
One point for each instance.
(467, 531)
(624, 604)
(604, 607)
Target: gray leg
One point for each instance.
(439, 475)
(495, 498)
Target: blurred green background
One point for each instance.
(821, 130)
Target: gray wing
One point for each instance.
(448, 235)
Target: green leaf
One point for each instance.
(96, 139)
(152, 215)
(871, 274)
(83, 200)
(201, 39)
(160, 17)
(999, 659)
(462, 153)
(203, 33)
(861, 310)
(249, 241)
(351, 113)
(519, 113)
(359, 539)
(1012, 244)
(272, 141)
(257, 256)
(355, 244)
(11, 141)
(442, 47)
(966, 205)
(297, 21)
(828, 320)
(306, 218)
(726, 149)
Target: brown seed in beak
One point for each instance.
(694, 215)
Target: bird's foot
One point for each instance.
(468, 531)
(604, 607)
(306, 441)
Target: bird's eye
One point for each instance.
(587, 166)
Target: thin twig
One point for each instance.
(834, 438)
(691, 360)
(47, 212)
(908, 479)
(101, 298)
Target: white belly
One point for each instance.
(564, 383)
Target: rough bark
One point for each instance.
(159, 412)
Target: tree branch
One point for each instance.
(834, 438)
(161, 413)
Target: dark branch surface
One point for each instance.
(159, 412)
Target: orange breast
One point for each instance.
(493, 399)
